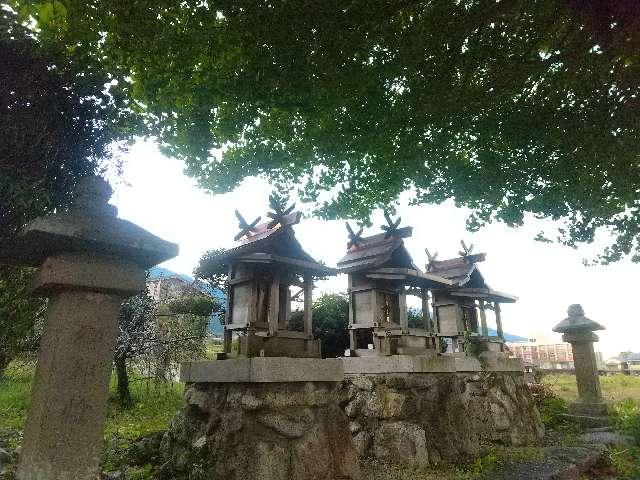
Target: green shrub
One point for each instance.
(330, 322)
(550, 405)
(627, 418)
(485, 465)
(626, 462)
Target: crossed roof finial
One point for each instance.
(466, 251)
(354, 238)
(277, 204)
(391, 227)
(431, 259)
(246, 228)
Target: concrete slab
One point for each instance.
(263, 370)
(398, 364)
(498, 362)
(467, 364)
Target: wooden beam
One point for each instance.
(377, 315)
(496, 308)
(285, 307)
(274, 304)
(436, 319)
(228, 319)
(351, 302)
(483, 320)
(308, 305)
(426, 315)
(402, 307)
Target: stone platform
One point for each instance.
(277, 418)
(263, 418)
(378, 364)
(425, 410)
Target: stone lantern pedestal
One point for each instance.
(88, 261)
(578, 331)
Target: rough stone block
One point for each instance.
(288, 433)
(402, 441)
(456, 411)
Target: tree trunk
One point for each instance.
(124, 395)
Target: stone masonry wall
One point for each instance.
(270, 431)
(426, 418)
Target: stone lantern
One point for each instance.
(578, 330)
(88, 261)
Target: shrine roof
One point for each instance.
(464, 273)
(485, 294)
(376, 251)
(268, 243)
(459, 269)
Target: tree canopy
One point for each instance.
(505, 107)
(58, 121)
(330, 322)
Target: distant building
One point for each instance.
(556, 356)
(164, 285)
(548, 356)
(614, 365)
(163, 289)
(627, 363)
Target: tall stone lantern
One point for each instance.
(88, 261)
(578, 330)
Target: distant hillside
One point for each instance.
(215, 326)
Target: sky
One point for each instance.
(154, 193)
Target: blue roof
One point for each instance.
(508, 337)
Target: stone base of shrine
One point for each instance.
(268, 430)
(262, 370)
(432, 363)
(438, 416)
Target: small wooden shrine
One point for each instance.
(456, 309)
(381, 274)
(262, 269)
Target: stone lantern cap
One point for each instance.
(90, 225)
(577, 322)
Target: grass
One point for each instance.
(622, 392)
(15, 395)
(155, 403)
(615, 388)
(490, 463)
(154, 406)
